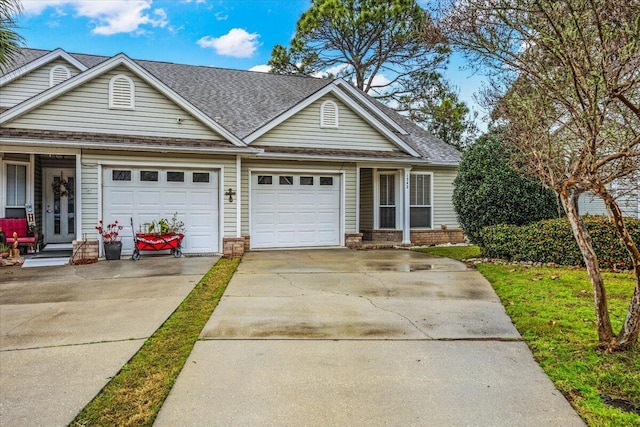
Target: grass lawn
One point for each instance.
(135, 395)
(456, 252)
(553, 310)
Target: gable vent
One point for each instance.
(329, 115)
(58, 74)
(121, 92)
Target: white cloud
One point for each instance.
(221, 16)
(108, 16)
(237, 43)
(262, 68)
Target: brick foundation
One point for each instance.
(85, 251)
(382, 235)
(233, 247)
(247, 243)
(353, 240)
(437, 237)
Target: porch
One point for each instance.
(43, 189)
(397, 208)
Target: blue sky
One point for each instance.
(223, 33)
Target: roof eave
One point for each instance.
(100, 145)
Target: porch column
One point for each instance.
(78, 197)
(406, 207)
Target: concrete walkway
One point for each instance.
(375, 338)
(65, 331)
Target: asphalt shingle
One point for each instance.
(243, 101)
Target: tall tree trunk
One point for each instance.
(631, 327)
(581, 234)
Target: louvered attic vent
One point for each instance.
(58, 74)
(329, 115)
(121, 92)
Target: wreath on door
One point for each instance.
(60, 188)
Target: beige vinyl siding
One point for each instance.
(90, 190)
(30, 84)
(303, 130)
(349, 177)
(86, 109)
(443, 212)
(366, 199)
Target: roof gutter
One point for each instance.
(129, 147)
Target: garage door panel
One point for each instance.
(295, 215)
(195, 203)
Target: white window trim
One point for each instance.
(422, 206)
(323, 122)
(52, 72)
(28, 190)
(132, 95)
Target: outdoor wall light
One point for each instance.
(230, 193)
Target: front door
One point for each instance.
(59, 205)
(387, 201)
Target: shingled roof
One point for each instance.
(244, 101)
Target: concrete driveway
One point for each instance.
(375, 338)
(65, 331)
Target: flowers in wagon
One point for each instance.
(110, 233)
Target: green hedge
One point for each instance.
(552, 241)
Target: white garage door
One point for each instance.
(150, 193)
(295, 210)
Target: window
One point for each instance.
(58, 74)
(265, 180)
(329, 115)
(326, 180)
(420, 200)
(286, 180)
(201, 177)
(121, 93)
(387, 201)
(16, 189)
(306, 180)
(175, 176)
(149, 176)
(121, 175)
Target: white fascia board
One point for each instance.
(116, 61)
(37, 63)
(381, 114)
(97, 145)
(334, 90)
(327, 158)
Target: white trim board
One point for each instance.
(112, 63)
(335, 90)
(39, 62)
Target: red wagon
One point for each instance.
(156, 242)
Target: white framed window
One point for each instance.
(122, 92)
(420, 195)
(329, 115)
(58, 74)
(16, 188)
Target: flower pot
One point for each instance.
(112, 250)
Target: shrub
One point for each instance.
(553, 241)
(488, 191)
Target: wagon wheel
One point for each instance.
(136, 255)
(177, 253)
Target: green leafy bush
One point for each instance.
(489, 191)
(553, 241)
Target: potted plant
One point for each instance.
(110, 239)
